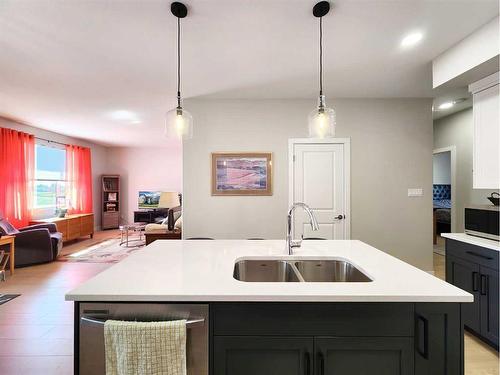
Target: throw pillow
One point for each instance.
(178, 224)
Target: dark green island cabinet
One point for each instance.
(341, 338)
(475, 269)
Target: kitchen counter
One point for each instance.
(473, 240)
(202, 271)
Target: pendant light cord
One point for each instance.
(320, 56)
(178, 62)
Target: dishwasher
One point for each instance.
(91, 355)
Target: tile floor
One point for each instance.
(36, 329)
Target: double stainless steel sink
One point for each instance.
(303, 270)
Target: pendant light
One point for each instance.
(179, 122)
(322, 119)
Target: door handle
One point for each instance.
(339, 217)
(478, 255)
(191, 323)
(307, 363)
(321, 364)
(484, 285)
(422, 333)
(475, 281)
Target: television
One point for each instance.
(149, 199)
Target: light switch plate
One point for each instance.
(419, 192)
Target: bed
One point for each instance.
(441, 197)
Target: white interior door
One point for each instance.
(319, 180)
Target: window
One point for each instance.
(50, 184)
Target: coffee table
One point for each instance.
(127, 229)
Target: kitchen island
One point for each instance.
(400, 321)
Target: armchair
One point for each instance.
(35, 244)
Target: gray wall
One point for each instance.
(144, 168)
(391, 151)
(441, 168)
(99, 157)
(457, 130)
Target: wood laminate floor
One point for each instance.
(36, 329)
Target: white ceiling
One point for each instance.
(66, 65)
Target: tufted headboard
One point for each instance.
(440, 192)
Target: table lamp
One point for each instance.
(169, 199)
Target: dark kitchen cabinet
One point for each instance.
(489, 304)
(336, 339)
(465, 275)
(363, 356)
(252, 355)
(475, 269)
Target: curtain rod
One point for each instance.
(49, 141)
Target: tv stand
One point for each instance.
(150, 215)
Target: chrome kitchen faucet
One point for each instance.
(314, 225)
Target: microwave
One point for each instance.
(482, 221)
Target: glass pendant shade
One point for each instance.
(179, 124)
(322, 121)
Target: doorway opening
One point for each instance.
(443, 195)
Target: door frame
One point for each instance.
(453, 167)
(346, 142)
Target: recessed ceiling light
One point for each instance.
(124, 115)
(446, 105)
(411, 39)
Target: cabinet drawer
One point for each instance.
(110, 220)
(313, 319)
(472, 253)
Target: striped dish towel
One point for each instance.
(145, 348)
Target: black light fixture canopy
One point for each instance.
(178, 9)
(321, 9)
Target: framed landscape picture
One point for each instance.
(242, 173)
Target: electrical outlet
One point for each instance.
(418, 192)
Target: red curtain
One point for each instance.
(17, 168)
(79, 179)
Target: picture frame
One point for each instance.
(242, 173)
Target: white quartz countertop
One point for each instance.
(176, 270)
(473, 240)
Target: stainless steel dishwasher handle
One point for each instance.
(192, 323)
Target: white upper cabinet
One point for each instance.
(486, 163)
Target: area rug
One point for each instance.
(109, 251)
(4, 298)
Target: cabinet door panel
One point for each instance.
(252, 355)
(364, 355)
(466, 276)
(486, 110)
(87, 226)
(489, 304)
(438, 339)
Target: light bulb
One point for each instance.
(322, 121)
(179, 124)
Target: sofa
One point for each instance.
(173, 221)
(35, 244)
